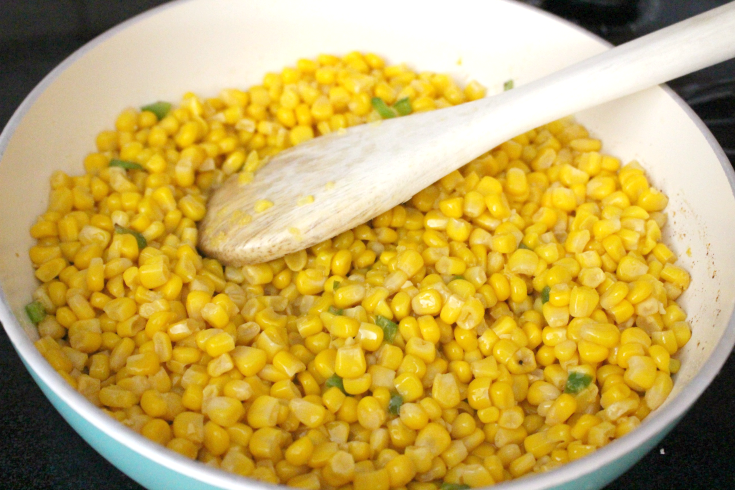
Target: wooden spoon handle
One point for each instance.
(677, 50)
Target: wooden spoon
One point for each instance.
(368, 169)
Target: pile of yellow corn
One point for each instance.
(516, 315)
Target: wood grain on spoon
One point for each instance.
(366, 170)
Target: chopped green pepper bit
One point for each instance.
(382, 108)
(36, 312)
(394, 405)
(335, 380)
(454, 278)
(508, 85)
(389, 328)
(403, 106)
(545, 294)
(524, 246)
(142, 242)
(576, 382)
(160, 109)
(125, 164)
(336, 285)
(454, 486)
(336, 311)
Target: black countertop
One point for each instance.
(38, 450)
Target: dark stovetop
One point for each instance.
(38, 450)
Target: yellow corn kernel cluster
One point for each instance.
(516, 315)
